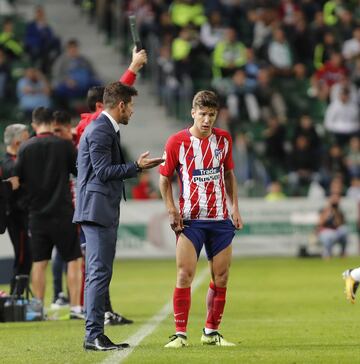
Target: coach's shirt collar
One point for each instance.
(113, 122)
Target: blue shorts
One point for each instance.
(215, 235)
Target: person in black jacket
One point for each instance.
(17, 220)
(6, 188)
(43, 165)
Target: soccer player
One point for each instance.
(352, 279)
(202, 158)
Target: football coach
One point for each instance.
(100, 187)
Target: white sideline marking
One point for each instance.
(150, 326)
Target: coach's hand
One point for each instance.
(15, 183)
(176, 222)
(147, 163)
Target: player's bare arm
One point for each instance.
(147, 163)
(138, 60)
(176, 221)
(231, 190)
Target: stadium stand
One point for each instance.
(230, 47)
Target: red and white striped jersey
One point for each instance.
(200, 164)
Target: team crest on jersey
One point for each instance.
(218, 153)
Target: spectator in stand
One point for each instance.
(8, 42)
(346, 25)
(353, 192)
(211, 32)
(298, 100)
(351, 47)
(186, 12)
(306, 128)
(332, 227)
(310, 8)
(280, 54)
(329, 74)
(32, 91)
(332, 10)
(333, 165)
(144, 190)
(303, 166)
(344, 82)
(275, 192)
(229, 55)
(17, 219)
(318, 28)
(247, 27)
(248, 169)
(41, 43)
(263, 27)
(270, 102)
(342, 118)
(302, 42)
(288, 10)
(274, 137)
(73, 75)
(240, 98)
(180, 53)
(325, 48)
(352, 157)
(5, 78)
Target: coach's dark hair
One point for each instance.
(116, 92)
(42, 115)
(206, 99)
(62, 117)
(94, 95)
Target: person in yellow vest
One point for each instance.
(184, 12)
(229, 55)
(275, 192)
(8, 41)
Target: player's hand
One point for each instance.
(138, 60)
(237, 220)
(176, 222)
(15, 183)
(147, 163)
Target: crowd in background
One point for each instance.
(287, 72)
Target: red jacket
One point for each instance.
(128, 78)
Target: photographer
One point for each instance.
(331, 227)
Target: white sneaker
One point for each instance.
(177, 341)
(215, 338)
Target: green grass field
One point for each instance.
(278, 311)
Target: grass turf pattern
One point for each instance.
(279, 310)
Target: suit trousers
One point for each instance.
(100, 253)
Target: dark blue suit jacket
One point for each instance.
(101, 174)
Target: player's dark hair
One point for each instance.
(94, 95)
(206, 99)
(42, 115)
(62, 117)
(116, 92)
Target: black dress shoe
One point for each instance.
(113, 318)
(103, 343)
